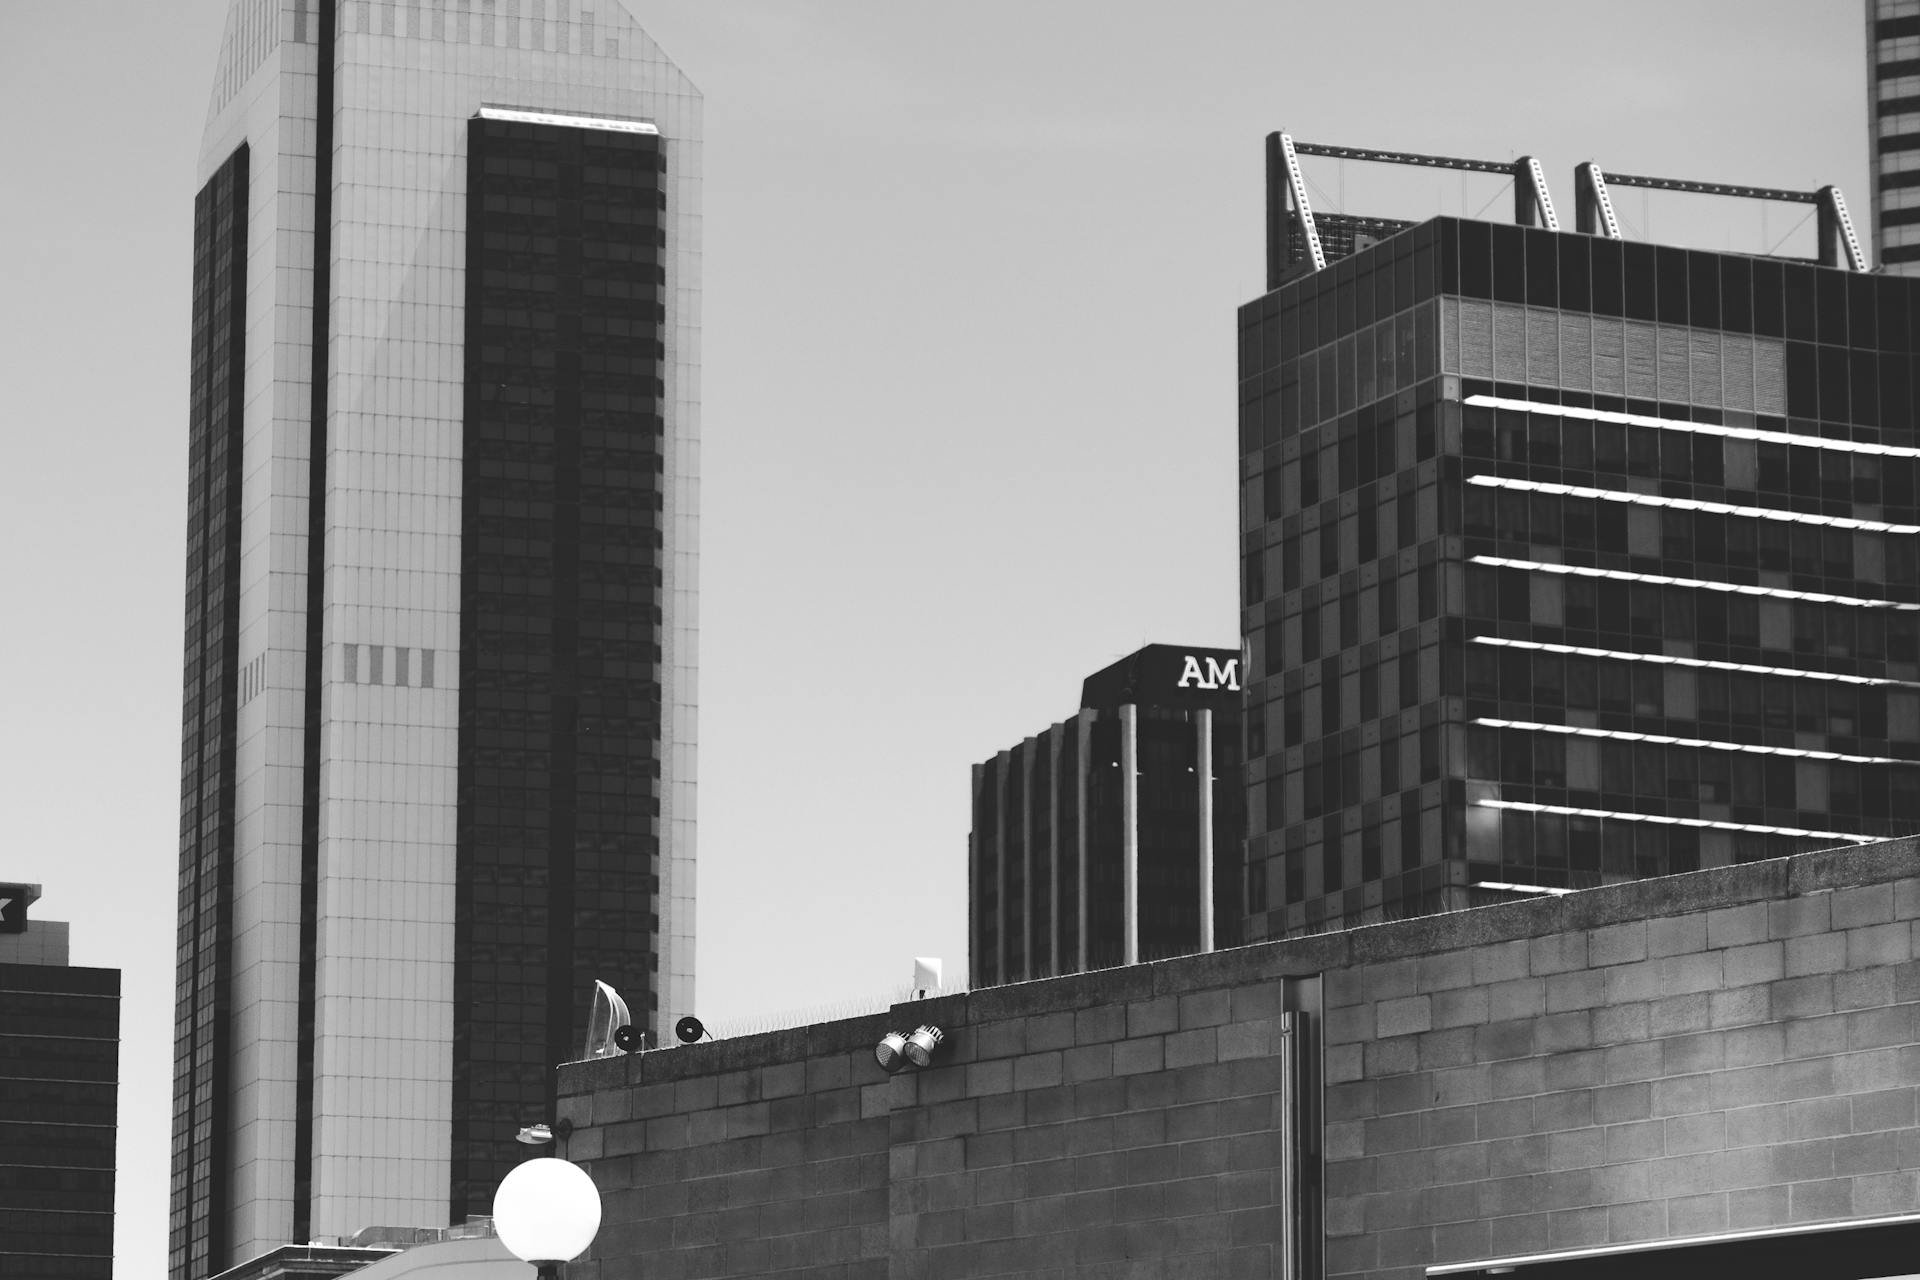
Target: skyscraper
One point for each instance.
(59, 1099)
(1115, 836)
(1893, 132)
(1568, 559)
(441, 583)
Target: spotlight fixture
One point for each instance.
(538, 1135)
(891, 1052)
(922, 1043)
(689, 1029)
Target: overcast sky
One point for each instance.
(969, 398)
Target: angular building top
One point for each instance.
(438, 730)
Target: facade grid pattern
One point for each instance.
(1570, 561)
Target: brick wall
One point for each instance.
(1731, 1048)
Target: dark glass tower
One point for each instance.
(1570, 560)
(441, 626)
(1072, 868)
(59, 1100)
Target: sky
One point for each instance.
(969, 411)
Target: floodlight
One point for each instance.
(891, 1052)
(921, 1044)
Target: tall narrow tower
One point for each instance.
(437, 758)
(1893, 132)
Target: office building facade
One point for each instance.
(59, 1100)
(1570, 560)
(1092, 840)
(441, 629)
(1893, 132)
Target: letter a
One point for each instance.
(1190, 674)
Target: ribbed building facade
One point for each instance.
(1114, 836)
(437, 763)
(1570, 560)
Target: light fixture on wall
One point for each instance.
(896, 1052)
(891, 1052)
(922, 1043)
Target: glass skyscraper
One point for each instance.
(1569, 560)
(1893, 132)
(437, 763)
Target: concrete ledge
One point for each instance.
(1636, 900)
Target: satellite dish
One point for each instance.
(604, 1025)
(689, 1029)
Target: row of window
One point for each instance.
(1613, 613)
(1695, 544)
(1699, 462)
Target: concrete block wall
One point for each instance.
(1094, 1126)
(1737, 1047)
(1725, 1050)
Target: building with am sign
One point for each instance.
(437, 760)
(1071, 868)
(59, 1099)
(1568, 559)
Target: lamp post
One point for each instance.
(546, 1212)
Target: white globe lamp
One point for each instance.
(546, 1212)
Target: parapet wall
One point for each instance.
(1731, 1048)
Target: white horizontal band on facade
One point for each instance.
(1667, 659)
(608, 124)
(1667, 740)
(1574, 811)
(1704, 584)
(1689, 504)
(1697, 428)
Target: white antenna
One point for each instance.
(926, 976)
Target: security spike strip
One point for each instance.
(1302, 211)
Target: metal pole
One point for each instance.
(1204, 768)
(1130, 832)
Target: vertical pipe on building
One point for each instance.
(1203, 770)
(1290, 1139)
(1023, 761)
(1000, 766)
(1053, 853)
(1130, 832)
(1084, 757)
